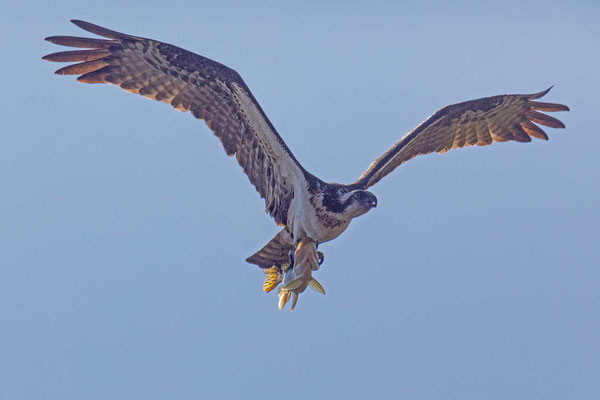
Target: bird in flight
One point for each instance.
(309, 210)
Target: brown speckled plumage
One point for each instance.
(476, 122)
(188, 82)
(217, 94)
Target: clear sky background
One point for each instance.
(124, 227)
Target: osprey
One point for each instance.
(310, 210)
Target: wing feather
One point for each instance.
(82, 68)
(534, 130)
(189, 82)
(477, 122)
(77, 55)
(85, 43)
(544, 119)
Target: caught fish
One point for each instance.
(296, 274)
(299, 277)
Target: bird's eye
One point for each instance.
(356, 195)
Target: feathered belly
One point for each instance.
(319, 226)
(307, 217)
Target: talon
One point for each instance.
(321, 257)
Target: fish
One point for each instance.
(296, 275)
(299, 277)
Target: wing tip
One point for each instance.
(81, 23)
(546, 107)
(52, 39)
(540, 94)
(99, 30)
(86, 26)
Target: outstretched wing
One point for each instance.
(477, 122)
(189, 82)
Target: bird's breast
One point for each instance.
(311, 219)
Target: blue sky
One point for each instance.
(124, 227)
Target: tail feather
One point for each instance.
(276, 252)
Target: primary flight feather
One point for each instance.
(310, 210)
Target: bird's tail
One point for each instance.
(276, 252)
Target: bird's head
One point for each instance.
(349, 203)
(359, 202)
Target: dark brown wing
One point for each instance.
(189, 82)
(477, 122)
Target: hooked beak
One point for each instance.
(373, 202)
